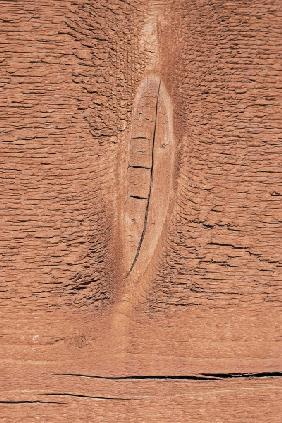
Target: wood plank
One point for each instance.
(194, 334)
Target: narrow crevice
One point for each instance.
(141, 377)
(69, 394)
(138, 167)
(150, 187)
(139, 138)
(14, 402)
(202, 376)
(138, 197)
(245, 375)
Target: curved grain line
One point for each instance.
(149, 174)
(150, 187)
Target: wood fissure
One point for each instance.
(70, 394)
(149, 173)
(126, 296)
(150, 187)
(21, 402)
(201, 376)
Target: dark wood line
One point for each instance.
(150, 188)
(201, 376)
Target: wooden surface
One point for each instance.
(194, 333)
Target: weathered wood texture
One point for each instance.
(195, 336)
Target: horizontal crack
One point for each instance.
(140, 377)
(202, 376)
(69, 394)
(11, 402)
(138, 197)
(138, 167)
(199, 377)
(139, 138)
(245, 375)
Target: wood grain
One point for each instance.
(195, 335)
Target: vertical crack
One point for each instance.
(151, 184)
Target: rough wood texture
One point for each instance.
(194, 333)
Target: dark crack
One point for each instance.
(201, 376)
(70, 394)
(14, 402)
(150, 187)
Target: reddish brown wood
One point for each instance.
(193, 333)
